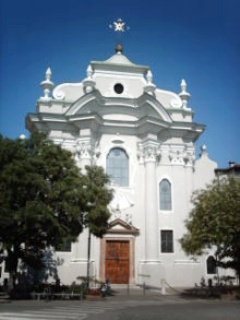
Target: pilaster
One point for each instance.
(150, 155)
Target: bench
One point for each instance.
(53, 295)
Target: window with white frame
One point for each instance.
(166, 241)
(165, 196)
(118, 167)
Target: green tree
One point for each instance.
(215, 222)
(97, 198)
(45, 199)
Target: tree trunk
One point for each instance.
(11, 266)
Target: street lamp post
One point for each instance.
(88, 257)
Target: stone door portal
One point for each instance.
(117, 261)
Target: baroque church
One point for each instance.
(144, 138)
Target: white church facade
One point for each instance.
(144, 137)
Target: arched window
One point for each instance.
(165, 195)
(118, 167)
(211, 265)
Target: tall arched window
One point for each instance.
(211, 265)
(165, 195)
(118, 167)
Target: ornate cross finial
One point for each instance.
(119, 26)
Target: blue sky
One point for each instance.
(191, 39)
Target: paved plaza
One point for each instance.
(124, 305)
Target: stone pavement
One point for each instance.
(122, 298)
(125, 303)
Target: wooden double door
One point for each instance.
(117, 261)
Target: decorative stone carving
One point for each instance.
(149, 76)
(59, 95)
(128, 218)
(149, 151)
(89, 83)
(176, 157)
(176, 102)
(183, 156)
(184, 95)
(122, 200)
(83, 150)
(189, 157)
(89, 72)
(97, 152)
(116, 212)
(149, 87)
(47, 85)
(203, 150)
(140, 154)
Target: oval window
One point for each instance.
(118, 88)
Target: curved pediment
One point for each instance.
(85, 103)
(149, 103)
(119, 109)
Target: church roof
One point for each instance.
(116, 93)
(119, 62)
(233, 168)
(119, 58)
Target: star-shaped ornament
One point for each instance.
(119, 25)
